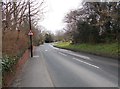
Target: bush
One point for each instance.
(7, 63)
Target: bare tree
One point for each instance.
(14, 13)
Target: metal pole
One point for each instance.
(31, 47)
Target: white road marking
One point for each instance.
(62, 54)
(36, 56)
(53, 46)
(86, 63)
(81, 56)
(50, 45)
(56, 48)
(78, 55)
(69, 52)
(66, 50)
(46, 50)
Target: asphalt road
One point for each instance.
(54, 67)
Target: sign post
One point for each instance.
(30, 33)
(31, 47)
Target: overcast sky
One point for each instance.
(56, 10)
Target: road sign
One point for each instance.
(30, 33)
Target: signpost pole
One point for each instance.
(31, 47)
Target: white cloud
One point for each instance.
(56, 12)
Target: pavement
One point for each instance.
(34, 73)
(54, 67)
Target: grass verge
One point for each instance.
(108, 50)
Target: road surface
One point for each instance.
(54, 67)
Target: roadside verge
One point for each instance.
(109, 50)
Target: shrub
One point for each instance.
(7, 63)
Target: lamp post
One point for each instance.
(30, 32)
